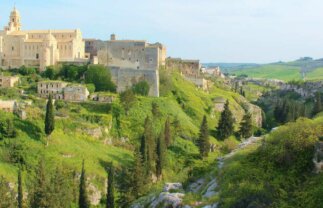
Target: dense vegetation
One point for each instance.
(277, 173)
(163, 135)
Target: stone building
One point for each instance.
(8, 105)
(55, 88)
(130, 61)
(38, 48)
(103, 97)
(190, 70)
(78, 93)
(8, 81)
(63, 91)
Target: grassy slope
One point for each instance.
(272, 71)
(316, 74)
(246, 179)
(71, 142)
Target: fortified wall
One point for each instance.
(190, 70)
(130, 61)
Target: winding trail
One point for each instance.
(208, 188)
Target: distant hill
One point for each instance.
(228, 67)
(294, 70)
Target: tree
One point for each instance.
(40, 192)
(225, 127)
(110, 191)
(127, 99)
(167, 133)
(100, 76)
(203, 140)
(83, 197)
(155, 110)
(10, 129)
(49, 73)
(20, 192)
(141, 88)
(317, 104)
(160, 160)
(61, 189)
(246, 126)
(147, 147)
(116, 114)
(49, 118)
(138, 177)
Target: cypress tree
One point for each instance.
(138, 177)
(203, 140)
(167, 133)
(147, 148)
(317, 104)
(155, 110)
(225, 127)
(10, 129)
(83, 198)
(20, 192)
(49, 118)
(40, 197)
(160, 160)
(246, 126)
(110, 191)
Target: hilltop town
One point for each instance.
(118, 123)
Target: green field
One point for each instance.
(316, 74)
(272, 71)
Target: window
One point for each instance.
(37, 56)
(13, 48)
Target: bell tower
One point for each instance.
(14, 21)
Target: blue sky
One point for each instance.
(210, 30)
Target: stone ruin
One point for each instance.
(318, 157)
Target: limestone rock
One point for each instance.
(173, 187)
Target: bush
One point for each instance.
(141, 88)
(100, 77)
(26, 70)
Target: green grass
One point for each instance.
(272, 71)
(316, 74)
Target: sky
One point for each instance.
(253, 31)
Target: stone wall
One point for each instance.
(126, 78)
(8, 81)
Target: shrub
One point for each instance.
(100, 77)
(141, 88)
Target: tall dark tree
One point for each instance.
(10, 129)
(160, 160)
(203, 140)
(317, 104)
(110, 189)
(40, 196)
(225, 127)
(127, 99)
(20, 192)
(147, 147)
(246, 126)
(167, 133)
(49, 118)
(155, 110)
(61, 187)
(138, 179)
(83, 197)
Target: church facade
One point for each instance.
(38, 48)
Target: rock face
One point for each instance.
(318, 157)
(165, 199)
(173, 187)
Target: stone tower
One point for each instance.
(14, 21)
